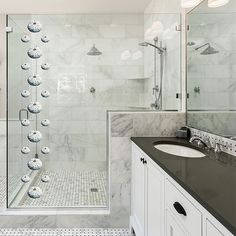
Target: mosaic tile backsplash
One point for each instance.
(227, 145)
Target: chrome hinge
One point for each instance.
(9, 29)
(178, 28)
(178, 96)
(188, 27)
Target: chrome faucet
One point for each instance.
(218, 148)
(155, 105)
(205, 143)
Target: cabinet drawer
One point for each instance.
(179, 205)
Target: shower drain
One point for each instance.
(94, 190)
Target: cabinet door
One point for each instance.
(211, 230)
(216, 229)
(155, 201)
(138, 193)
(172, 227)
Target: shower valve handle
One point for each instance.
(155, 89)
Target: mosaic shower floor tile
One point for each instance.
(64, 232)
(69, 188)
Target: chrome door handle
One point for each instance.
(21, 112)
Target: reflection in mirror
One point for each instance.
(211, 65)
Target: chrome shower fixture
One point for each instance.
(157, 88)
(94, 51)
(208, 51)
(146, 44)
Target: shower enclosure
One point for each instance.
(65, 72)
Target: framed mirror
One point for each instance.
(211, 69)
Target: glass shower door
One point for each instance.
(56, 154)
(17, 113)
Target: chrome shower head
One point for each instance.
(94, 51)
(146, 44)
(208, 51)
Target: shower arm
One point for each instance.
(202, 46)
(160, 49)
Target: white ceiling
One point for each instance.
(203, 8)
(72, 6)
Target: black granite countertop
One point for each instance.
(211, 180)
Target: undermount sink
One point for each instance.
(179, 150)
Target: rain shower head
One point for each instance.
(209, 50)
(94, 51)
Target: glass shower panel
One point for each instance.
(89, 64)
(16, 110)
(50, 101)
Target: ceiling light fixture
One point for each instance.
(189, 3)
(217, 3)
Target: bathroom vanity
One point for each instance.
(178, 196)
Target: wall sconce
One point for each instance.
(189, 3)
(217, 3)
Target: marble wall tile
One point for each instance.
(121, 125)
(27, 221)
(159, 124)
(121, 194)
(113, 31)
(119, 217)
(119, 143)
(127, 20)
(222, 123)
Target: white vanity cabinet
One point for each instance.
(184, 212)
(138, 193)
(147, 196)
(161, 207)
